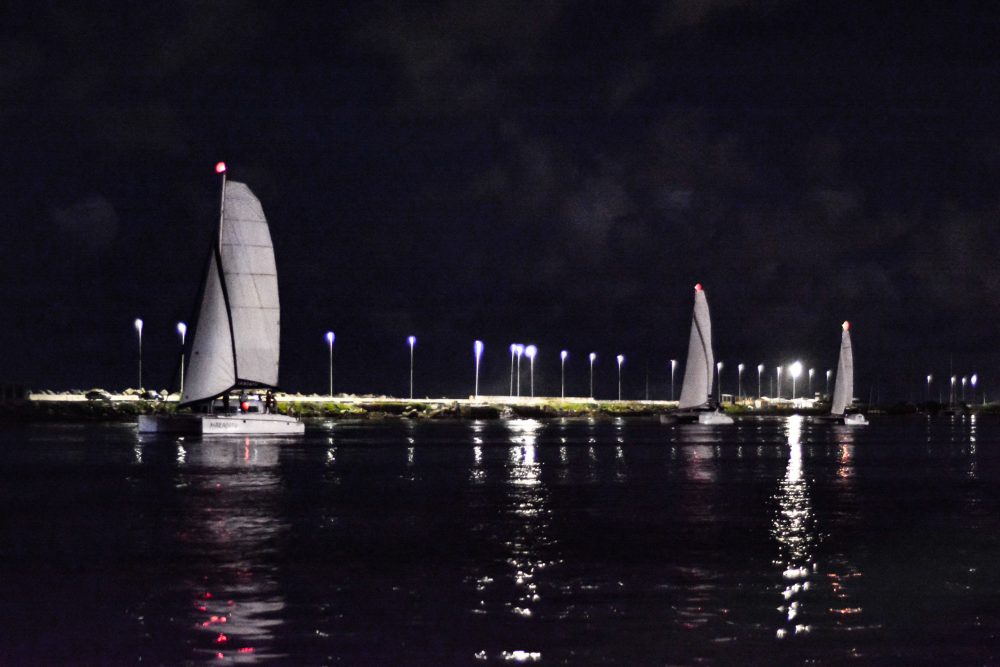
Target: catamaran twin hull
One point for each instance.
(221, 425)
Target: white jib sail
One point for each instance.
(697, 388)
(843, 389)
(210, 368)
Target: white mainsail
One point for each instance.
(697, 388)
(843, 388)
(236, 340)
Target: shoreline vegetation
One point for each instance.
(126, 407)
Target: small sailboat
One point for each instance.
(696, 404)
(843, 388)
(234, 347)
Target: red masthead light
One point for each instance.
(697, 288)
(220, 168)
(846, 325)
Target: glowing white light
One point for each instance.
(138, 325)
(760, 368)
(621, 359)
(795, 369)
(593, 357)
(329, 338)
(519, 349)
(412, 340)
(563, 355)
(974, 379)
(182, 330)
(530, 351)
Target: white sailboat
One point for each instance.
(235, 343)
(696, 404)
(843, 388)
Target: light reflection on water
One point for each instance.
(558, 541)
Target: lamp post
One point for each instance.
(530, 352)
(593, 356)
(138, 330)
(513, 351)
(477, 348)
(760, 372)
(795, 370)
(778, 371)
(927, 393)
(973, 381)
(329, 341)
(739, 382)
(963, 389)
(412, 340)
(182, 330)
(718, 382)
(810, 383)
(562, 373)
(673, 367)
(951, 398)
(828, 374)
(621, 360)
(519, 349)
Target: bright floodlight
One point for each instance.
(182, 329)
(795, 369)
(593, 356)
(138, 325)
(412, 340)
(513, 348)
(220, 167)
(519, 349)
(530, 351)
(478, 348)
(563, 355)
(929, 377)
(718, 366)
(974, 379)
(329, 337)
(620, 358)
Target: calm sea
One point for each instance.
(570, 542)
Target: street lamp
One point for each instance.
(760, 371)
(519, 349)
(973, 380)
(513, 351)
(477, 348)
(621, 360)
(739, 382)
(329, 341)
(963, 389)
(182, 330)
(138, 329)
(562, 372)
(673, 367)
(952, 397)
(718, 381)
(412, 340)
(593, 356)
(530, 352)
(795, 370)
(810, 383)
(927, 394)
(828, 374)
(778, 370)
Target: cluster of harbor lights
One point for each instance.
(957, 389)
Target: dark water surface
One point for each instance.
(559, 542)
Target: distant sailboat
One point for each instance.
(234, 347)
(696, 404)
(843, 388)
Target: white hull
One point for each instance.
(707, 417)
(713, 418)
(855, 420)
(222, 425)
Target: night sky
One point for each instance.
(557, 173)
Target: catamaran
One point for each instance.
(696, 404)
(843, 388)
(234, 348)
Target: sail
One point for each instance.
(697, 388)
(236, 340)
(843, 389)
